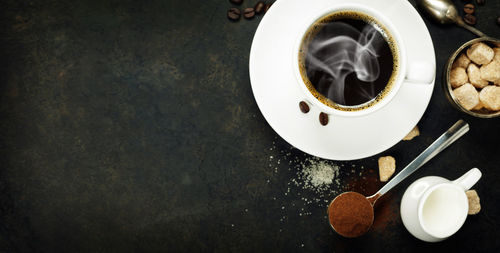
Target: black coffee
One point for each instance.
(348, 60)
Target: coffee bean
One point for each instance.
(259, 7)
(267, 7)
(304, 107)
(323, 118)
(470, 19)
(233, 14)
(249, 13)
(238, 2)
(480, 2)
(498, 21)
(469, 8)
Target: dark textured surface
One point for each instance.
(130, 126)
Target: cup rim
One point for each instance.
(424, 197)
(400, 49)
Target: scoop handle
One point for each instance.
(454, 133)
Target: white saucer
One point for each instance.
(278, 96)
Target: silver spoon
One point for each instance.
(349, 225)
(444, 12)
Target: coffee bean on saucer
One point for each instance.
(480, 2)
(249, 13)
(469, 8)
(470, 19)
(267, 7)
(304, 107)
(233, 14)
(323, 118)
(238, 2)
(259, 7)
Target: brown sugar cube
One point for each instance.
(479, 106)
(458, 77)
(386, 167)
(480, 53)
(491, 71)
(461, 61)
(412, 134)
(490, 97)
(496, 57)
(474, 202)
(467, 96)
(475, 76)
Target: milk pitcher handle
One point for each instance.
(467, 180)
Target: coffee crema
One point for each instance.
(348, 60)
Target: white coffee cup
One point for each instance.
(414, 72)
(434, 208)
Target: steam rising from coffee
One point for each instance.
(349, 51)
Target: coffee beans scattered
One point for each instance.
(260, 7)
(238, 2)
(470, 19)
(248, 13)
(233, 14)
(304, 107)
(469, 8)
(323, 119)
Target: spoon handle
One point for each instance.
(450, 136)
(470, 28)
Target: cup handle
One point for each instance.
(467, 180)
(420, 72)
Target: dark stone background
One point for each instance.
(131, 126)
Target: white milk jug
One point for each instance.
(434, 208)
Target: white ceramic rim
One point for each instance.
(401, 49)
(424, 197)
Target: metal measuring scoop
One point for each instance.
(444, 12)
(353, 223)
